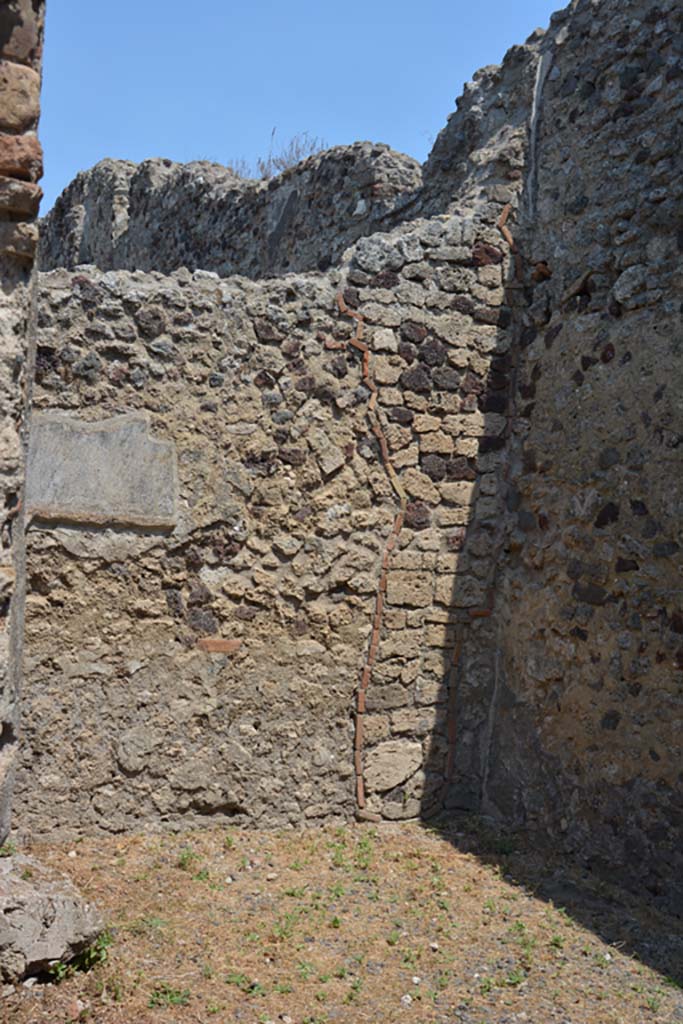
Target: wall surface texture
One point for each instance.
(413, 541)
(21, 31)
(589, 703)
(160, 216)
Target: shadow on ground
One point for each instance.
(618, 916)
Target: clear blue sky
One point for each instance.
(210, 80)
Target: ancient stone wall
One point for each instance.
(212, 666)
(21, 29)
(588, 710)
(161, 216)
(421, 550)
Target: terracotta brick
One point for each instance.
(217, 645)
(370, 816)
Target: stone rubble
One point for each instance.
(43, 920)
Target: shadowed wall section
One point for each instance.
(587, 735)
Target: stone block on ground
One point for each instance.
(42, 919)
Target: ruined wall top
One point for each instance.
(160, 215)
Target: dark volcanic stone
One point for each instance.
(399, 414)
(493, 403)
(446, 378)
(610, 720)
(201, 621)
(266, 331)
(458, 468)
(407, 351)
(608, 457)
(590, 593)
(609, 513)
(432, 352)
(385, 279)
(264, 379)
(412, 332)
(471, 384)
(491, 444)
(151, 322)
(665, 548)
(418, 516)
(434, 466)
(483, 254)
(293, 456)
(416, 379)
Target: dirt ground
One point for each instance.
(354, 924)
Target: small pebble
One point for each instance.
(416, 980)
(434, 946)
(407, 999)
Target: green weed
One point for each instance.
(164, 995)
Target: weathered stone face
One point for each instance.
(42, 919)
(160, 216)
(21, 26)
(590, 591)
(104, 473)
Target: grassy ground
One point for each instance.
(354, 924)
